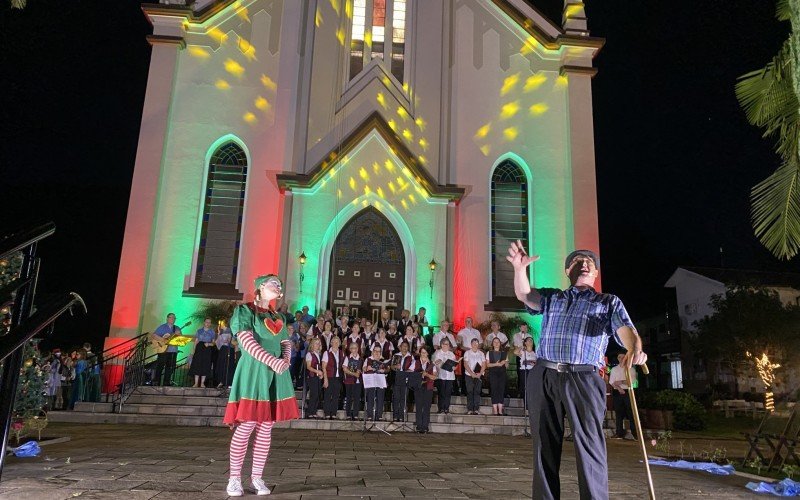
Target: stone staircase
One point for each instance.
(189, 407)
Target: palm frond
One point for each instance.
(782, 10)
(769, 101)
(776, 210)
(217, 310)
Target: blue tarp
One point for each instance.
(720, 470)
(785, 488)
(29, 449)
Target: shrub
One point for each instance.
(687, 412)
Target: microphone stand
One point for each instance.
(375, 411)
(405, 425)
(527, 431)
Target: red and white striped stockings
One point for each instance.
(239, 441)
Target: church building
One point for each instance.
(376, 154)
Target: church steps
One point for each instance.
(186, 406)
(221, 402)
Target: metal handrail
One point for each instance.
(43, 317)
(24, 325)
(23, 239)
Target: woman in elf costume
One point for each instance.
(262, 391)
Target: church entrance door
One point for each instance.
(367, 268)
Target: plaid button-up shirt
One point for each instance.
(577, 324)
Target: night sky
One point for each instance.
(675, 157)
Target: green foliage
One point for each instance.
(688, 414)
(790, 470)
(30, 398)
(769, 97)
(217, 310)
(748, 319)
(508, 324)
(756, 464)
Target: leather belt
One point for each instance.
(565, 367)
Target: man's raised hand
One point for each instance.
(518, 257)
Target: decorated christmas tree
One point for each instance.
(9, 271)
(30, 398)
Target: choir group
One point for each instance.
(340, 362)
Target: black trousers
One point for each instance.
(374, 399)
(314, 386)
(331, 402)
(423, 398)
(165, 363)
(473, 393)
(623, 410)
(445, 391)
(581, 398)
(352, 399)
(399, 396)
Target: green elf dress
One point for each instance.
(259, 393)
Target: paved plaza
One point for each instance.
(142, 462)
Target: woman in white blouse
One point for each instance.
(446, 377)
(526, 358)
(474, 366)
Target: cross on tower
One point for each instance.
(383, 302)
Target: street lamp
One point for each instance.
(432, 265)
(302, 260)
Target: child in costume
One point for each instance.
(262, 392)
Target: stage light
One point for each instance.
(234, 68)
(509, 83)
(268, 83)
(510, 133)
(533, 82)
(261, 103)
(199, 52)
(538, 109)
(509, 110)
(483, 131)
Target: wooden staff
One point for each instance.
(638, 425)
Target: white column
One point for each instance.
(142, 210)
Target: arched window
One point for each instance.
(509, 222)
(378, 32)
(221, 233)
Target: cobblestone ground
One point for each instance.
(142, 462)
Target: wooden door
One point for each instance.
(367, 268)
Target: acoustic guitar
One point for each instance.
(161, 344)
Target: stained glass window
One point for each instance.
(509, 222)
(378, 32)
(220, 237)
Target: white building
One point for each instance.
(396, 145)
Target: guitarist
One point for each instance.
(165, 361)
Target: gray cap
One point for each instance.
(587, 253)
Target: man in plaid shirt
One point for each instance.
(576, 326)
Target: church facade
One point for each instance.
(376, 154)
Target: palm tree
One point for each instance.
(18, 4)
(770, 100)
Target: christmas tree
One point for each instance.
(30, 398)
(9, 271)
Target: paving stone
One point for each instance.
(176, 462)
(173, 486)
(106, 485)
(379, 492)
(35, 493)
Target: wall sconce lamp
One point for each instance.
(432, 265)
(302, 260)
